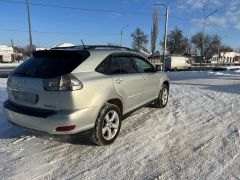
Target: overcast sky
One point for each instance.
(100, 21)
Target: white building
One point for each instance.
(6, 53)
(226, 57)
(229, 56)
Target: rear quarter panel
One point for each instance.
(163, 78)
(97, 89)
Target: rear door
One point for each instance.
(127, 82)
(151, 78)
(29, 92)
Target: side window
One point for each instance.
(104, 67)
(122, 65)
(142, 65)
(115, 67)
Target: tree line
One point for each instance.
(177, 43)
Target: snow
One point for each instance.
(195, 137)
(9, 65)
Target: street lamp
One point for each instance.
(121, 41)
(165, 32)
(203, 32)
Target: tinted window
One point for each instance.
(51, 63)
(115, 66)
(142, 65)
(104, 67)
(122, 65)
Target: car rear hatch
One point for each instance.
(26, 83)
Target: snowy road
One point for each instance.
(195, 137)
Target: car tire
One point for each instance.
(162, 99)
(108, 125)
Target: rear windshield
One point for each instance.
(51, 63)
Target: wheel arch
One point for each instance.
(118, 103)
(166, 83)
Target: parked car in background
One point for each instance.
(177, 63)
(74, 89)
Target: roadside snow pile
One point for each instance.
(227, 68)
(195, 137)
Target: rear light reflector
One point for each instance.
(65, 128)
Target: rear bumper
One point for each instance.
(83, 119)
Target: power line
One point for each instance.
(89, 9)
(61, 33)
(103, 11)
(100, 34)
(77, 8)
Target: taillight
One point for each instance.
(66, 82)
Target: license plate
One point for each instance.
(23, 96)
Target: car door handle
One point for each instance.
(118, 81)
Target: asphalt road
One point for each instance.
(4, 71)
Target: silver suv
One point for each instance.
(71, 90)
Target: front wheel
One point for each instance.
(162, 100)
(107, 125)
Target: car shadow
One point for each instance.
(76, 139)
(12, 132)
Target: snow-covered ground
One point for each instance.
(9, 65)
(195, 137)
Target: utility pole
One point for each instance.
(13, 50)
(165, 32)
(203, 31)
(219, 53)
(29, 26)
(165, 37)
(121, 41)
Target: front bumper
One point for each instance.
(47, 121)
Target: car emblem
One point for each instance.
(20, 83)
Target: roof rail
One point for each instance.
(95, 47)
(108, 47)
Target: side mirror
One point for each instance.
(158, 67)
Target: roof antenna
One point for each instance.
(83, 44)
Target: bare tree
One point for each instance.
(225, 48)
(140, 40)
(176, 42)
(154, 31)
(26, 51)
(212, 43)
